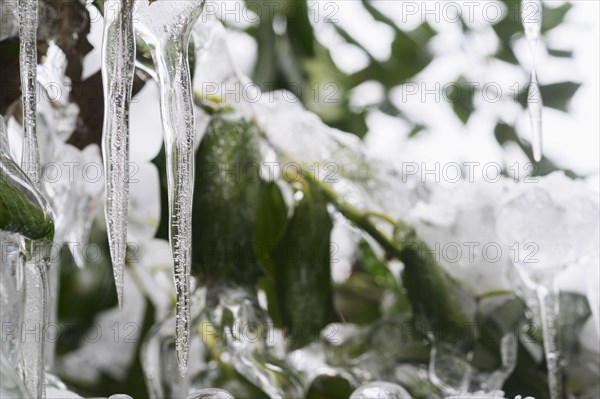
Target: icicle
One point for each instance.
(36, 318)
(3, 137)
(531, 15)
(166, 27)
(39, 225)
(548, 297)
(28, 22)
(11, 293)
(535, 106)
(118, 53)
(524, 219)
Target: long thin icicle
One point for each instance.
(166, 26)
(548, 299)
(178, 124)
(28, 23)
(35, 320)
(531, 16)
(118, 60)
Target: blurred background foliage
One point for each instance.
(291, 56)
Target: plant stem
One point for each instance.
(358, 217)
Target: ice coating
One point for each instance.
(299, 136)
(28, 23)
(12, 386)
(535, 107)
(560, 222)
(166, 27)
(548, 298)
(210, 393)
(11, 293)
(480, 395)
(3, 137)
(235, 311)
(32, 259)
(559, 217)
(58, 393)
(36, 316)
(161, 370)
(118, 60)
(531, 17)
(380, 390)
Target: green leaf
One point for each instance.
(560, 53)
(505, 30)
(272, 219)
(376, 268)
(271, 222)
(437, 299)
(226, 198)
(460, 95)
(574, 312)
(302, 270)
(556, 95)
(409, 56)
(358, 299)
(559, 95)
(553, 17)
(497, 315)
(329, 387)
(23, 210)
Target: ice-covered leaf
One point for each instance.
(23, 209)
(225, 209)
(380, 389)
(303, 270)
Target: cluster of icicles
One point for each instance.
(167, 32)
(166, 27)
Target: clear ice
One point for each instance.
(12, 386)
(235, 311)
(32, 258)
(531, 16)
(380, 390)
(210, 393)
(4, 147)
(166, 27)
(118, 60)
(11, 293)
(28, 23)
(562, 224)
(35, 319)
(535, 107)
